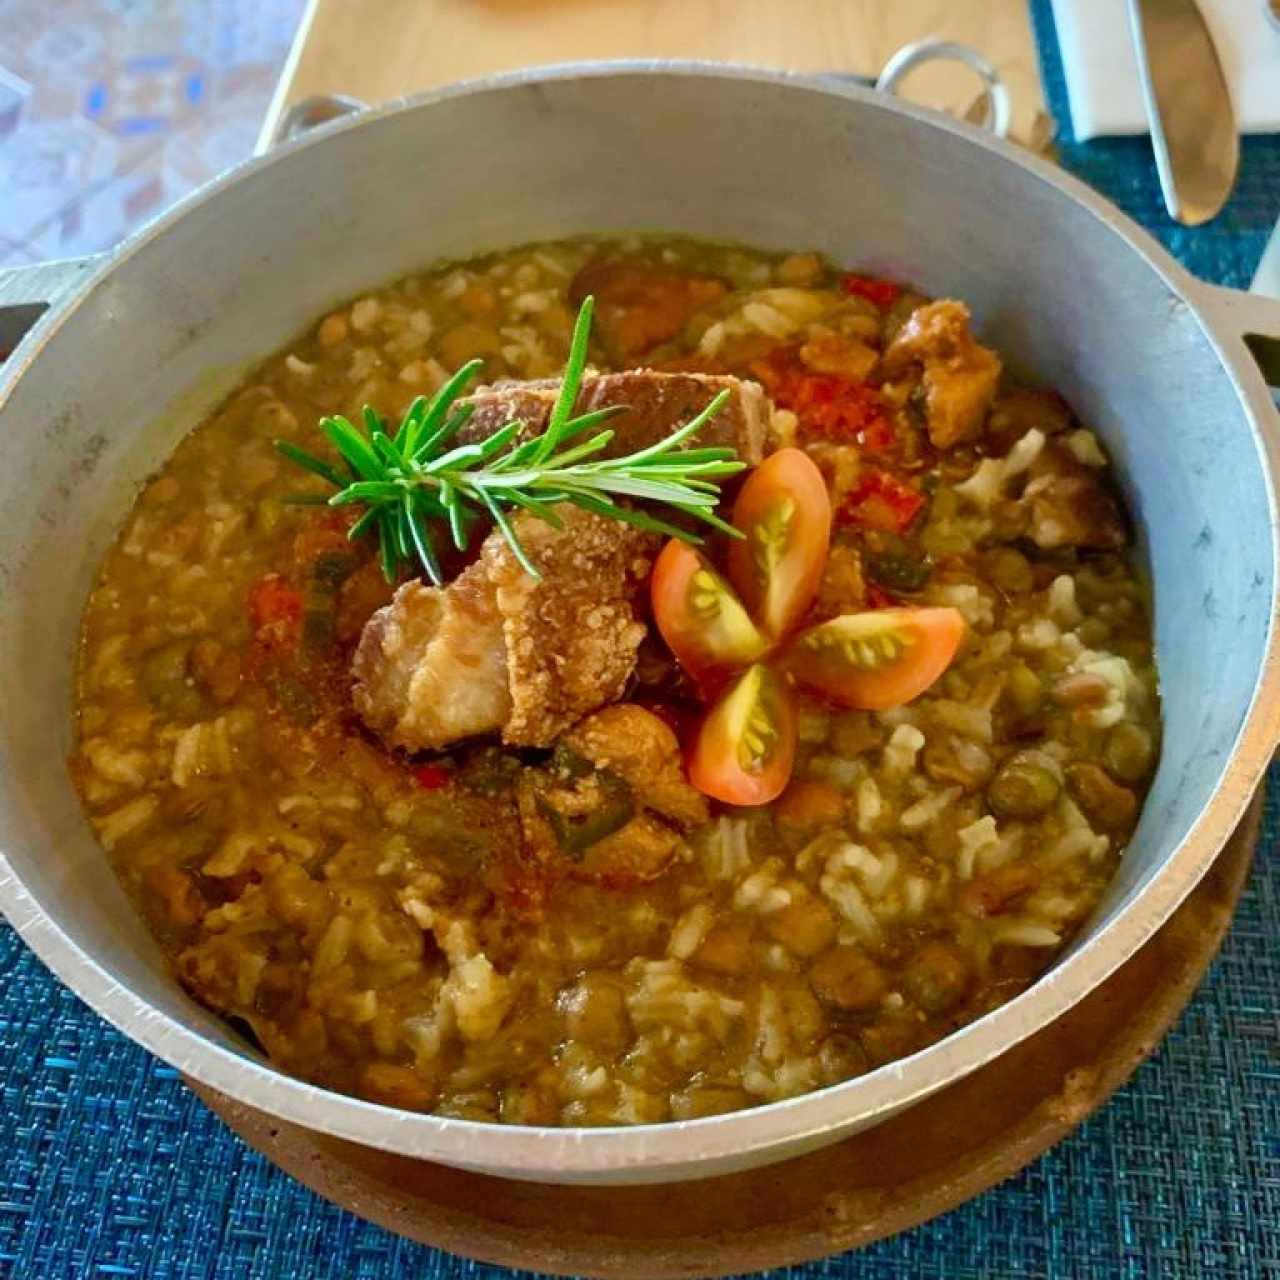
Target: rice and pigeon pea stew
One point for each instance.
(610, 682)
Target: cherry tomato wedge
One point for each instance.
(700, 615)
(873, 661)
(747, 744)
(785, 513)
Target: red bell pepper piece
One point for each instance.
(881, 501)
(881, 292)
(431, 777)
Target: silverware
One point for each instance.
(1193, 125)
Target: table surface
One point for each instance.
(109, 1166)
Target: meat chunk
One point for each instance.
(499, 650)
(642, 750)
(1069, 505)
(431, 666)
(836, 354)
(1023, 409)
(843, 587)
(572, 637)
(638, 307)
(657, 404)
(959, 375)
(612, 804)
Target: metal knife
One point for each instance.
(1193, 125)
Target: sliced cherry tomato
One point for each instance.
(700, 616)
(785, 513)
(873, 661)
(747, 744)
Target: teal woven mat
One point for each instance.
(108, 1167)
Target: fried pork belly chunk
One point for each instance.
(959, 375)
(571, 638)
(431, 667)
(500, 651)
(656, 403)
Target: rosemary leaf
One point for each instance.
(354, 448)
(452, 502)
(434, 416)
(446, 431)
(570, 382)
(421, 537)
(510, 534)
(585, 421)
(311, 463)
(543, 510)
(361, 526)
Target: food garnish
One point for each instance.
(408, 479)
(737, 636)
(877, 660)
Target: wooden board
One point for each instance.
(381, 49)
(931, 1158)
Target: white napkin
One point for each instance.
(1102, 69)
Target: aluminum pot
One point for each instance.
(1072, 293)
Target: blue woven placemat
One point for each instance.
(109, 1167)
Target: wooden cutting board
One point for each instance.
(381, 49)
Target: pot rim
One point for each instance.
(550, 1154)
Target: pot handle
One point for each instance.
(319, 109)
(996, 104)
(26, 293)
(1255, 315)
(1257, 320)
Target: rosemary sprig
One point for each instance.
(411, 483)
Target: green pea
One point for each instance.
(1025, 786)
(1128, 752)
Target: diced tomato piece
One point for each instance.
(700, 616)
(746, 746)
(882, 292)
(785, 513)
(826, 406)
(274, 603)
(878, 435)
(877, 660)
(881, 501)
(431, 777)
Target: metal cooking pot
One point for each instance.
(1072, 292)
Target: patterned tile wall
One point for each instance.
(112, 109)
